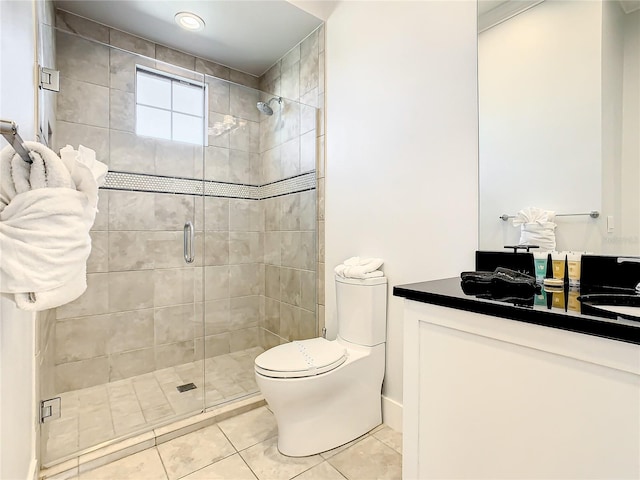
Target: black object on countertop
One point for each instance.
(499, 283)
(613, 274)
(449, 293)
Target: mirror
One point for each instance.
(559, 110)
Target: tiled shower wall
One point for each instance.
(143, 308)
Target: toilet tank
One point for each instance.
(362, 310)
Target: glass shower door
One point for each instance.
(260, 233)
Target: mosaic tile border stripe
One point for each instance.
(140, 182)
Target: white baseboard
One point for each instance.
(392, 413)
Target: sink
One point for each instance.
(624, 305)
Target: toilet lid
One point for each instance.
(301, 359)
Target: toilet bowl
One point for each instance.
(325, 393)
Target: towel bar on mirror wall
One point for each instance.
(592, 214)
(9, 130)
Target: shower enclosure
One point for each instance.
(204, 246)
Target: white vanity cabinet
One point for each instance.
(495, 398)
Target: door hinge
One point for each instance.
(49, 409)
(49, 79)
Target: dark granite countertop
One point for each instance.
(559, 309)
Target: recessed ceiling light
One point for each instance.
(189, 21)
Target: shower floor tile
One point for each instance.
(97, 414)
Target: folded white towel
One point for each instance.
(356, 267)
(44, 231)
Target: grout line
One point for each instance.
(164, 467)
(305, 471)
(248, 466)
(110, 409)
(227, 437)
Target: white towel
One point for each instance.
(44, 231)
(87, 173)
(356, 267)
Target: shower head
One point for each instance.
(266, 107)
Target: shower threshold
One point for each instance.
(102, 414)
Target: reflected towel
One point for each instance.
(537, 227)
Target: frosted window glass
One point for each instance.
(153, 122)
(187, 128)
(153, 90)
(187, 98)
(169, 107)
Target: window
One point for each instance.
(170, 107)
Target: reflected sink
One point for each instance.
(624, 305)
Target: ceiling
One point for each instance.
(246, 35)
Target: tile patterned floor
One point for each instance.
(94, 415)
(244, 447)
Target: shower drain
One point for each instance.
(186, 387)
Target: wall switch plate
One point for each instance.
(610, 224)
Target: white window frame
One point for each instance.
(180, 79)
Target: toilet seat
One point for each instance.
(298, 359)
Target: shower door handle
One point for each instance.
(189, 239)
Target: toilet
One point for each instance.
(324, 393)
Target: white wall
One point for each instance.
(540, 120)
(17, 102)
(401, 175)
